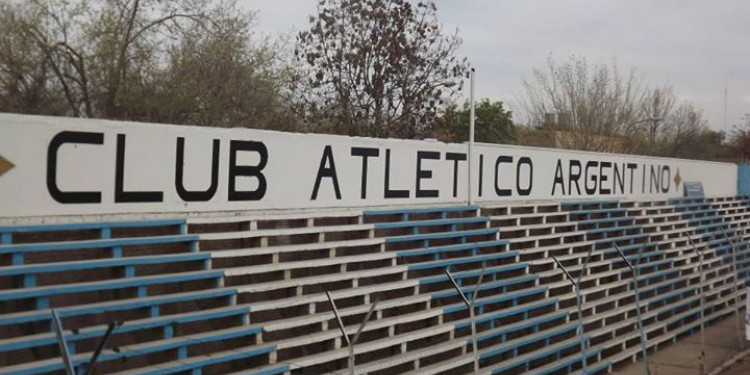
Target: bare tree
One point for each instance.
(587, 107)
(219, 76)
(182, 61)
(739, 141)
(656, 108)
(577, 105)
(682, 131)
(37, 67)
(379, 67)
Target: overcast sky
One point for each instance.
(694, 45)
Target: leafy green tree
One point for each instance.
(492, 123)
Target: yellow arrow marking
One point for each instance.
(5, 165)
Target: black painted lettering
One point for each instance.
(588, 176)
(574, 176)
(364, 152)
(521, 162)
(481, 173)
(70, 197)
(122, 196)
(654, 179)
(559, 179)
(388, 192)
(456, 157)
(247, 170)
(603, 177)
(632, 167)
(666, 178)
(501, 192)
(196, 196)
(423, 174)
(327, 169)
(619, 179)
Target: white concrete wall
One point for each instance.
(87, 159)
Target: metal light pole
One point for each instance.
(471, 135)
(353, 341)
(735, 291)
(644, 339)
(470, 305)
(579, 303)
(702, 358)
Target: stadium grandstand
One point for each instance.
(143, 249)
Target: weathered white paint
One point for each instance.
(291, 170)
(718, 179)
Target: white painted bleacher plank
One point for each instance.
(284, 232)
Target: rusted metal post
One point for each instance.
(470, 305)
(644, 339)
(576, 284)
(353, 341)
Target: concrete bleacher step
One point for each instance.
(166, 323)
(444, 248)
(152, 303)
(448, 249)
(442, 235)
(420, 319)
(249, 217)
(194, 364)
(31, 271)
(452, 362)
(114, 246)
(275, 369)
(602, 367)
(517, 308)
(502, 331)
(280, 249)
(426, 298)
(406, 213)
(632, 352)
(524, 360)
(411, 356)
(369, 346)
(515, 345)
(105, 226)
(323, 229)
(283, 323)
(339, 354)
(312, 263)
(181, 344)
(431, 222)
(42, 294)
(567, 363)
(444, 366)
(320, 280)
